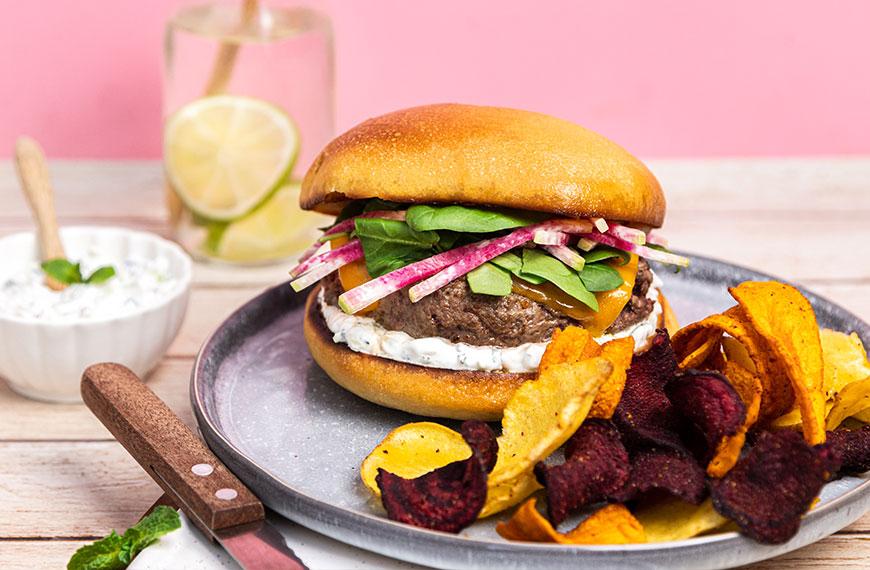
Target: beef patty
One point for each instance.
(455, 313)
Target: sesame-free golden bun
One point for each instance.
(421, 390)
(486, 156)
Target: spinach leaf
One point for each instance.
(376, 204)
(351, 210)
(602, 252)
(391, 244)
(513, 263)
(466, 219)
(489, 279)
(600, 277)
(536, 262)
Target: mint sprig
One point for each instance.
(115, 552)
(69, 273)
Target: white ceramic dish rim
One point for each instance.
(185, 276)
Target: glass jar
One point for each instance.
(248, 103)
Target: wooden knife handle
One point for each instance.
(166, 448)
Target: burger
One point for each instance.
(464, 237)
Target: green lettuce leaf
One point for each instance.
(391, 244)
(466, 219)
(536, 262)
(489, 279)
(115, 552)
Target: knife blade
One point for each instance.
(188, 472)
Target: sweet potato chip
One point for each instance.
(673, 519)
(777, 392)
(749, 388)
(412, 450)
(785, 319)
(737, 353)
(852, 399)
(700, 347)
(568, 345)
(619, 352)
(540, 417)
(845, 360)
(613, 524)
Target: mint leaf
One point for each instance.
(63, 270)
(489, 279)
(536, 262)
(603, 252)
(600, 277)
(116, 552)
(391, 244)
(101, 275)
(513, 263)
(69, 273)
(466, 219)
(101, 555)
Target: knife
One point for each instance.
(190, 474)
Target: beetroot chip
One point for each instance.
(596, 466)
(482, 441)
(645, 415)
(773, 485)
(852, 447)
(658, 471)
(448, 498)
(710, 407)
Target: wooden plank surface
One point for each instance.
(64, 480)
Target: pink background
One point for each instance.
(664, 78)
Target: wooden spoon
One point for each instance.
(33, 174)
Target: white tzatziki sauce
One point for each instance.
(364, 334)
(138, 283)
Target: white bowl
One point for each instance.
(45, 359)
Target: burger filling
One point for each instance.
(474, 288)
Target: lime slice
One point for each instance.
(279, 228)
(225, 155)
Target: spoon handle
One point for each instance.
(33, 174)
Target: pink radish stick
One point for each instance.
(627, 233)
(550, 237)
(654, 238)
(640, 250)
(567, 256)
(600, 224)
(337, 258)
(324, 257)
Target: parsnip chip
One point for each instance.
(413, 450)
(853, 399)
(737, 353)
(613, 524)
(540, 416)
(785, 319)
(673, 519)
(619, 352)
(748, 386)
(845, 360)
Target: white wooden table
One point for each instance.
(64, 481)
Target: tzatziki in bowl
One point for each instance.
(48, 337)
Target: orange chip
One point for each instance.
(748, 387)
(569, 345)
(619, 352)
(701, 347)
(669, 318)
(613, 524)
(785, 319)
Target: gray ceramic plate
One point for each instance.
(297, 439)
